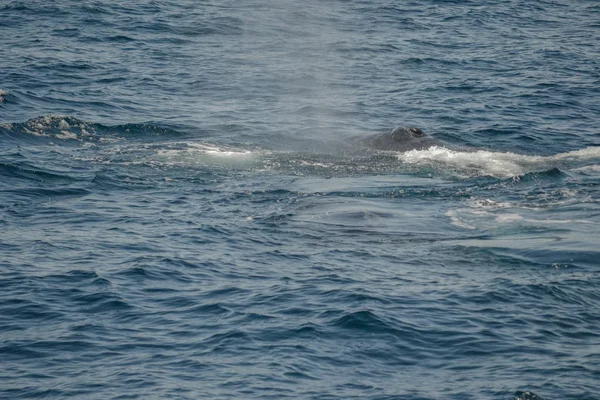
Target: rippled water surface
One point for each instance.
(188, 209)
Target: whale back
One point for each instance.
(402, 139)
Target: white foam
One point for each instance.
(190, 153)
(63, 125)
(497, 215)
(496, 164)
(3, 94)
(457, 221)
(566, 197)
(187, 150)
(65, 135)
(589, 168)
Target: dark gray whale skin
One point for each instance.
(402, 139)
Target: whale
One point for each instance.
(527, 396)
(401, 139)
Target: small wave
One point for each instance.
(3, 94)
(23, 171)
(363, 321)
(495, 164)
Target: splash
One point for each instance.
(495, 164)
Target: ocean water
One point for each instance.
(186, 211)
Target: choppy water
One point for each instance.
(183, 212)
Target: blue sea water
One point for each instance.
(186, 213)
